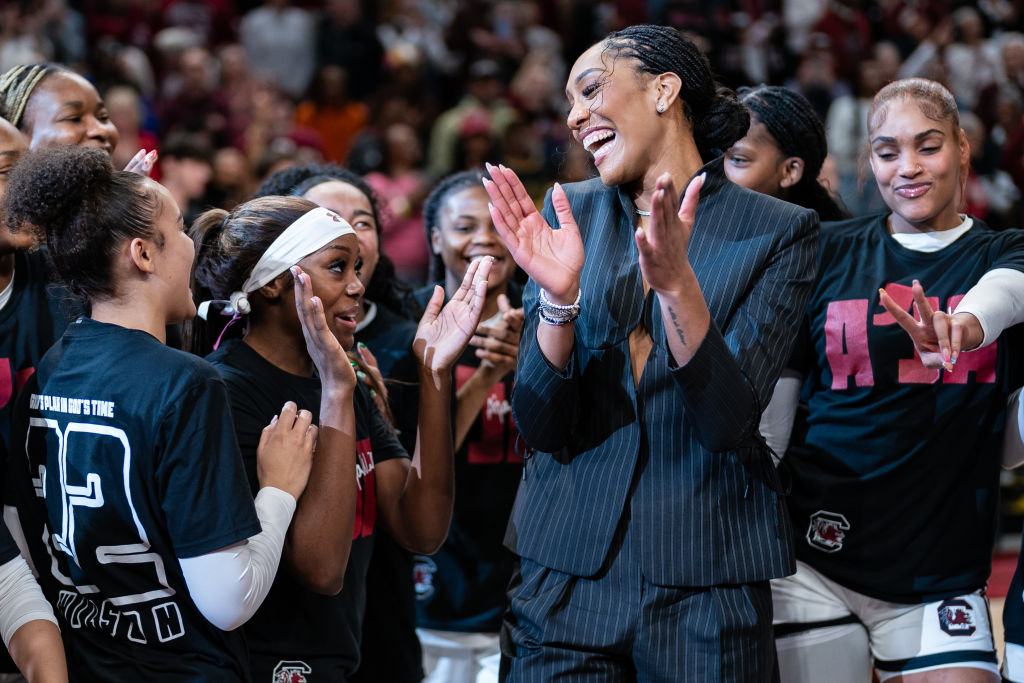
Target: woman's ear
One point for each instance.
(276, 287)
(666, 88)
(792, 172)
(141, 252)
(435, 241)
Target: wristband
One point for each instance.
(558, 314)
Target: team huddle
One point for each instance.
(725, 432)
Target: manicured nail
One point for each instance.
(273, 421)
(361, 375)
(373, 394)
(354, 364)
(361, 345)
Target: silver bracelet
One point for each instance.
(558, 314)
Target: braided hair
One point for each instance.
(798, 132)
(384, 287)
(16, 87)
(717, 117)
(454, 183)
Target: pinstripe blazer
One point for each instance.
(680, 454)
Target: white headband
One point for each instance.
(314, 230)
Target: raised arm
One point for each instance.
(725, 376)
(415, 499)
(320, 536)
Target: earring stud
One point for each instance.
(661, 107)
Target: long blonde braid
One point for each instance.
(16, 86)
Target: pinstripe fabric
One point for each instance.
(618, 626)
(706, 508)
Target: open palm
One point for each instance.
(552, 258)
(444, 332)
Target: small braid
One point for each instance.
(718, 119)
(16, 87)
(798, 132)
(456, 182)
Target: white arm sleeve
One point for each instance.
(778, 415)
(997, 301)
(21, 598)
(229, 585)
(1013, 437)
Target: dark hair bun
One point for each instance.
(48, 189)
(725, 121)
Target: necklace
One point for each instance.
(643, 213)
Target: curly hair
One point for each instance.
(74, 199)
(384, 287)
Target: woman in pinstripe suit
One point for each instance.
(649, 519)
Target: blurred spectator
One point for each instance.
(847, 130)
(968, 61)
(332, 113)
(490, 115)
(280, 42)
(128, 22)
(213, 20)
(236, 85)
(272, 129)
(347, 40)
(64, 29)
(402, 187)
(200, 107)
(185, 163)
(849, 34)
(21, 41)
(407, 25)
(125, 110)
(231, 182)
(990, 194)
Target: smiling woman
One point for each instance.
(907, 416)
(653, 333)
(54, 106)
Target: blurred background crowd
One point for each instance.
(407, 91)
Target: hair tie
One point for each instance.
(239, 303)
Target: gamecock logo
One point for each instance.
(423, 577)
(291, 672)
(956, 617)
(827, 531)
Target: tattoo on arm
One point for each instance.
(676, 326)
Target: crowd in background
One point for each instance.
(407, 91)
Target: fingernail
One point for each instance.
(354, 364)
(703, 176)
(373, 394)
(361, 345)
(273, 421)
(881, 291)
(952, 361)
(294, 270)
(361, 375)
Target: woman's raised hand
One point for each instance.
(552, 258)
(332, 364)
(662, 246)
(938, 337)
(443, 332)
(142, 163)
(497, 340)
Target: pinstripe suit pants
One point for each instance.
(618, 626)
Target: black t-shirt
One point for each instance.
(129, 463)
(35, 316)
(462, 587)
(896, 484)
(297, 630)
